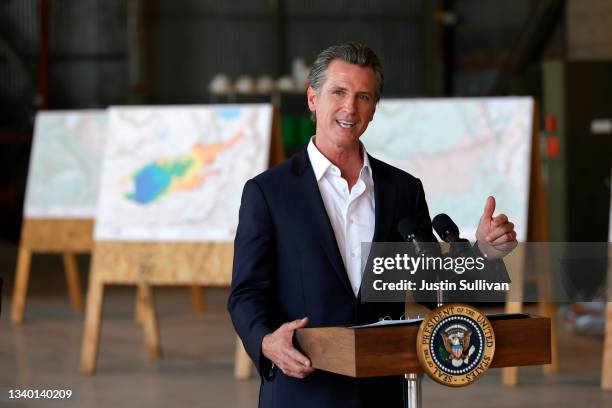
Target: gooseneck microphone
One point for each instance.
(410, 231)
(448, 231)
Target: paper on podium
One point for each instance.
(382, 323)
(408, 322)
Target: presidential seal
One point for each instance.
(455, 344)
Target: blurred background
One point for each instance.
(63, 54)
(91, 54)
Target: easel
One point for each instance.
(537, 231)
(66, 230)
(63, 236)
(67, 237)
(145, 264)
(606, 361)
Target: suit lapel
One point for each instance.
(313, 210)
(385, 195)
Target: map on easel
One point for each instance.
(463, 150)
(61, 196)
(170, 189)
(65, 164)
(177, 173)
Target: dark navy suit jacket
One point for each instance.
(287, 265)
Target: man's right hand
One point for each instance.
(278, 348)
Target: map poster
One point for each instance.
(177, 173)
(65, 164)
(463, 150)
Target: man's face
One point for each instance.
(345, 103)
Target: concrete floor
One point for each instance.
(196, 368)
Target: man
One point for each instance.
(297, 248)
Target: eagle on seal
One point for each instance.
(456, 340)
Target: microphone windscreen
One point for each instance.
(444, 226)
(408, 226)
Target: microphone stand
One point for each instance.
(413, 394)
(412, 381)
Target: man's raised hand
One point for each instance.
(495, 235)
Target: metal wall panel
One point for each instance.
(356, 7)
(399, 46)
(192, 40)
(395, 30)
(486, 31)
(489, 26)
(87, 84)
(188, 53)
(19, 24)
(19, 35)
(195, 8)
(87, 51)
(88, 26)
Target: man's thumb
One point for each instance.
(489, 208)
(298, 324)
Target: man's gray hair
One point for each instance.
(352, 53)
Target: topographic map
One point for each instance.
(177, 173)
(65, 164)
(462, 149)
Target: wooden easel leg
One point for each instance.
(197, 299)
(20, 290)
(549, 310)
(149, 319)
(606, 371)
(242, 362)
(138, 313)
(93, 320)
(510, 374)
(515, 263)
(73, 280)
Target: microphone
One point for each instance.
(448, 231)
(410, 231)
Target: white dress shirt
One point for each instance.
(351, 213)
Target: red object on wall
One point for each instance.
(550, 124)
(553, 146)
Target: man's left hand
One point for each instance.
(495, 235)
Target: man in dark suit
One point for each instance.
(297, 248)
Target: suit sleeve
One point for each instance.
(253, 274)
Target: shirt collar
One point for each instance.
(320, 163)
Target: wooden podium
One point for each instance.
(361, 352)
